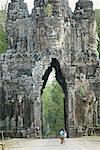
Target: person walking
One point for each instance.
(63, 135)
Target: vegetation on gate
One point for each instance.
(53, 109)
(82, 91)
(48, 9)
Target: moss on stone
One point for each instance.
(48, 9)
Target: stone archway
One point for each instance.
(54, 63)
(61, 80)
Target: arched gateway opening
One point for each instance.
(61, 80)
(52, 107)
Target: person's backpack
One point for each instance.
(65, 134)
(61, 133)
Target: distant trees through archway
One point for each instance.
(54, 101)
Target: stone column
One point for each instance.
(38, 109)
(71, 109)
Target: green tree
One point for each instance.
(3, 43)
(53, 109)
(97, 14)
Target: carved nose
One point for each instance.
(52, 33)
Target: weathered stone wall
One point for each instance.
(51, 37)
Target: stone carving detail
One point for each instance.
(50, 37)
(85, 104)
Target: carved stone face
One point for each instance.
(82, 77)
(54, 32)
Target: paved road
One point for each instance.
(85, 143)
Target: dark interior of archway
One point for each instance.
(59, 76)
(61, 80)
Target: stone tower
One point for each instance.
(51, 37)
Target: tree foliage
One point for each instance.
(97, 14)
(53, 109)
(3, 43)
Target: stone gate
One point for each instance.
(52, 36)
